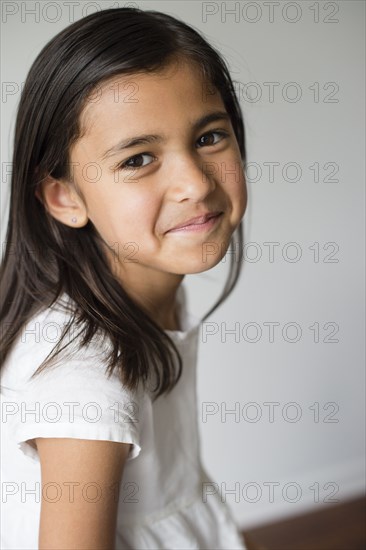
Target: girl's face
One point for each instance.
(137, 191)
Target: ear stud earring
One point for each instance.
(74, 220)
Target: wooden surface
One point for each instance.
(337, 527)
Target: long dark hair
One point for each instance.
(45, 258)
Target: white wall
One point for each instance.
(317, 47)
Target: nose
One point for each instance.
(190, 177)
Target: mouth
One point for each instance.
(203, 223)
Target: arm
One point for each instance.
(79, 516)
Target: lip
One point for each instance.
(197, 221)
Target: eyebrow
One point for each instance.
(153, 138)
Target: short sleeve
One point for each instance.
(77, 399)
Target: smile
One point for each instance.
(199, 227)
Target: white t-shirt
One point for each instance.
(166, 500)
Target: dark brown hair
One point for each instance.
(45, 258)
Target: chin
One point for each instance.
(210, 256)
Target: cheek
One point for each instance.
(124, 214)
(233, 181)
(242, 191)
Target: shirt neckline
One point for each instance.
(188, 322)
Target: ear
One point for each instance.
(62, 202)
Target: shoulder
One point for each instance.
(41, 334)
(75, 398)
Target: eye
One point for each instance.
(220, 133)
(127, 163)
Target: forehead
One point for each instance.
(140, 99)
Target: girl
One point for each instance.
(128, 175)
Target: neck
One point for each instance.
(162, 308)
(155, 292)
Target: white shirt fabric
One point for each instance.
(166, 499)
